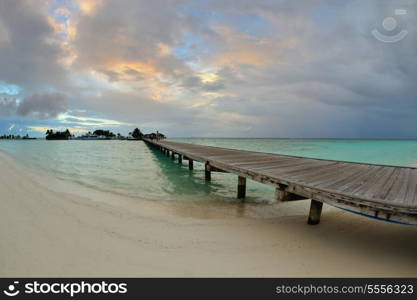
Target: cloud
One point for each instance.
(260, 68)
(143, 38)
(206, 82)
(77, 120)
(43, 106)
(43, 129)
(29, 53)
(8, 106)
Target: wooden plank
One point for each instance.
(311, 170)
(344, 177)
(300, 177)
(377, 183)
(262, 162)
(361, 180)
(410, 197)
(384, 190)
(302, 167)
(399, 190)
(280, 165)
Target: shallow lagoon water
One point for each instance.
(131, 168)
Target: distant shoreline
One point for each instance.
(254, 138)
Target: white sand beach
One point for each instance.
(54, 228)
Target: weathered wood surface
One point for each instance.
(386, 192)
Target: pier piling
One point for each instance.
(315, 212)
(207, 172)
(190, 164)
(241, 188)
(280, 194)
(179, 158)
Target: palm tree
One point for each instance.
(137, 134)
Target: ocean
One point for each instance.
(133, 169)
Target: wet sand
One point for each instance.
(49, 227)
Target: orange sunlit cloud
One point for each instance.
(41, 129)
(241, 48)
(146, 70)
(89, 7)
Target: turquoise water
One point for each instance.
(131, 168)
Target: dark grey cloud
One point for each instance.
(196, 84)
(8, 106)
(43, 106)
(29, 57)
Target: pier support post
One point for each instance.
(280, 194)
(172, 155)
(179, 158)
(167, 152)
(207, 172)
(315, 212)
(241, 188)
(190, 164)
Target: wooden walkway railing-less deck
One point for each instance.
(379, 191)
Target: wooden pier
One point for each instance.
(383, 192)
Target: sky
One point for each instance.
(210, 68)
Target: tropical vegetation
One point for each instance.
(59, 135)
